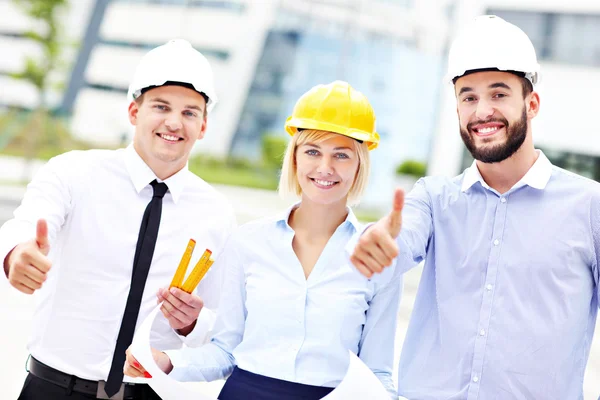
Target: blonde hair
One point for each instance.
(288, 182)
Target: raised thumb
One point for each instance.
(41, 236)
(395, 216)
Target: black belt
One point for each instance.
(75, 384)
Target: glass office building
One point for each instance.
(401, 82)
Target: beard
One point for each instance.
(516, 133)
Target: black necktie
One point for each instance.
(141, 265)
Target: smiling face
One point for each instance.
(326, 170)
(494, 114)
(168, 120)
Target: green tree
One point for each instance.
(273, 149)
(413, 168)
(37, 71)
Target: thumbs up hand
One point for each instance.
(27, 265)
(377, 248)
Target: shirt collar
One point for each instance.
(141, 175)
(537, 177)
(284, 217)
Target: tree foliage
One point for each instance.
(46, 15)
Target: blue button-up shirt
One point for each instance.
(275, 322)
(507, 304)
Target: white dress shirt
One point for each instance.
(94, 202)
(274, 322)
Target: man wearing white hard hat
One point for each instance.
(100, 233)
(508, 299)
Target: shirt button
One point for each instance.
(496, 242)
(482, 332)
(475, 379)
(502, 200)
(489, 287)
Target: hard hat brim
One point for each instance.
(453, 77)
(293, 124)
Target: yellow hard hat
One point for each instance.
(337, 108)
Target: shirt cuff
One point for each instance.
(180, 359)
(179, 364)
(201, 332)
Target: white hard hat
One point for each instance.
(492, 43)
(178, 62)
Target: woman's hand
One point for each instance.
(134, 369)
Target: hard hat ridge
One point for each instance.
(175, 62)
(491, 43)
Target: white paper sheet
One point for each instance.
(359, 383)
(167, 388)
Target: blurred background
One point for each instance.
(65, 66)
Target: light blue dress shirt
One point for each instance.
(507, 304)
(273, 321)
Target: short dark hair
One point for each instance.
(140, 99)
(527, 86)
(525, 83)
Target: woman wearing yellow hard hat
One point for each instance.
(292, 306)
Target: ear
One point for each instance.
(132, 112)
(533, 105)
(203, 129)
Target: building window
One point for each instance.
(581, 164)
(218, 54)
(293, 61)
(402, 3)
(232, 5)
(565, 38)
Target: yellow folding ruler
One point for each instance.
(200, 269)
